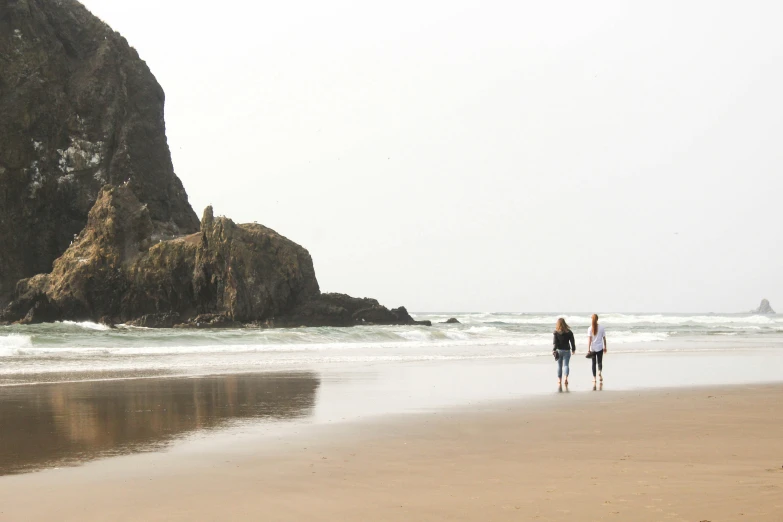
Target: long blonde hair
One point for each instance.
(595, 324)
(562, 327)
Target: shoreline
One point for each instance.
(706, 453)
(37, 365)
(49, 425)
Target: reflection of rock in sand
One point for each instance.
(48, 424)
(80, 420)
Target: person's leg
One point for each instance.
(565, 355)
(594, 361)
(559, 366)
(600, 357)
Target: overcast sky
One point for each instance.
(487, 156)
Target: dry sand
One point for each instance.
(690, 455)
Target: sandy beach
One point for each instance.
(699, 454)
(322, 261)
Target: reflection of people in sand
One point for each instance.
(596, 343)
(563, 342)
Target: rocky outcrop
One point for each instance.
(249, 272)
(342, 310)
(452, 320)
(95, 225)
(78, 109)
(227, 275)
(163, 320)
(764, 308)
(112, 270)
(116, 271)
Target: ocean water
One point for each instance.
(103, 392)
(87, 351)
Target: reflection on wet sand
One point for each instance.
(61, 424)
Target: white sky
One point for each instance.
(485, 155)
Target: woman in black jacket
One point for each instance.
(564, 346)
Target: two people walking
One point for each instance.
(563, 346)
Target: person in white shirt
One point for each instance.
(596, 343)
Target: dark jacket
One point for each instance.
(561, 341)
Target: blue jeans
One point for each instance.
(562, 362)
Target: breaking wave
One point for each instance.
(12, 343)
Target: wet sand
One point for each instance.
(698, 454)
(67, 423)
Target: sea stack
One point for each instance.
(78, 110)
(764, 308)
(95, 225)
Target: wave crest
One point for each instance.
(12, 344)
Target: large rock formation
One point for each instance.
(118, 271)
(764, 308)
(78, 109)
(95, 225)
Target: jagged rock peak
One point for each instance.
(764, 308)
(207, 217)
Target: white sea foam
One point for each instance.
(11, 344)
(638, 337)
(87, 325)
(74, 351)
(15, 340)
(412, 340)
(415, 335)
(627, 319)
(482, 329)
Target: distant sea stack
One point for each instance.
(764, 308)
(95, 225)
(78, 109)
